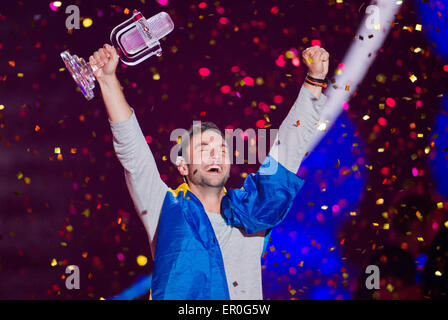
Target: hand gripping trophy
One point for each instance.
(135, 40)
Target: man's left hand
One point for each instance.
(316, 58)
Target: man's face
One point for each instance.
(209, 160)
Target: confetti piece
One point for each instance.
(322, 126)
(204, 72)
(87, 22)
(55, 5)
(142, 260)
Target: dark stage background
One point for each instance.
(63, 198)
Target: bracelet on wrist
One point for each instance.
(320, 83)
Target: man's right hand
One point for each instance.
(106, 60)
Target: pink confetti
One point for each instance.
(390, 102)
(225, 89)
(204, 72)
(278, 99)
(260, 123)
(281, 62)
(316, 42)
(248, 81)
(382, 121)
(223, 20)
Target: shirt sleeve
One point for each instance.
(143, 180)
(295, 132)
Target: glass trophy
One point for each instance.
(135, 40)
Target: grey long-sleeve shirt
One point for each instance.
(241, 252)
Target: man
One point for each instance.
(207, 241)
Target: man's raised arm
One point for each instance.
(296, 131)
(267, 195)
(143, 180)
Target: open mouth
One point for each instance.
(214, 169)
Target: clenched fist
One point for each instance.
(316, 58)
(105, 60)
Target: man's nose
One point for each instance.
(214, 155)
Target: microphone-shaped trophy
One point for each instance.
(135, 40)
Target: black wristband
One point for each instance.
(317, 80)
(316, 84)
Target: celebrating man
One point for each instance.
(206, 240)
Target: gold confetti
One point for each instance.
(337, 165)
(86, 213)
(322, 126)
(142, 260)
(87, 22)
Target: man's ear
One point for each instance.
(182, 166)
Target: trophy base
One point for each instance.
(81, 72)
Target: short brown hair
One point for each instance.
(194, 129)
